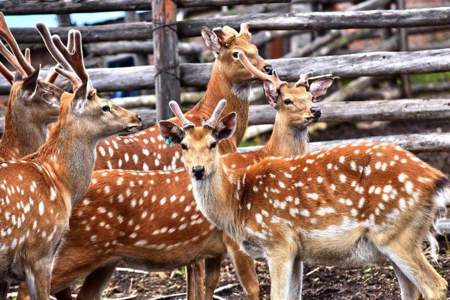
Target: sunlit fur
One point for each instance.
(347, 205)
(28, 113)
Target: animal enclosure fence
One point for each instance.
(168, 75)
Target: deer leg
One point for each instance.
(4, 286)
(245, 269)
(281, 264)
(212, 271)
(96, 282)
(195, 280)
(38, 276)
(413, 264)
(296, 283)
(407, 288)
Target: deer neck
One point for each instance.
(69, 155)
(217, 197)
(22, 135)
(286, 140)
(220, 87)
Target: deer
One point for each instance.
(163, 225)
(32, 103)
(345, 205)
(38, 191)
(146, 150)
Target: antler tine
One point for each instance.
(51, 47)
(77, 55)
(11, 59)
(9, 38)
(6, 73)
(71, 76)
(212, 121)
(252, 69)
(175, 108)
(53, 73)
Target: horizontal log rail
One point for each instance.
(26, 7)
(324, 20)
(352, 65)
(403, 109)
(268, 21)
(377, 110)
(91, 34)
(417, 143)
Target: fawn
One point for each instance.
(38, 192)
(346, 205)
(129, 215)
(32, 103)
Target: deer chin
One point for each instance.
(242, 90)
(131, 128)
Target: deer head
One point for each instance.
(228, 45)
(32, 100)
(94, 116)
(293, 102)
(199, 143)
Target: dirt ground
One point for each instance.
(322, 282)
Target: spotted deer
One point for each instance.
(37, 193)
(130, 216)
(32, 103)
(229, 79)
(346, 205)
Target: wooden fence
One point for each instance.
(168, 76)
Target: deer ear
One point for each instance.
(226, 127)
(211, 40)
(30, 82)
(319, 87)
(271, 92)
(171, 132)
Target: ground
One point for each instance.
(320, 283)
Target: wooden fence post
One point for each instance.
(165, 38)
(404, 46)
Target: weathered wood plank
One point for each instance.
(325, 20)
(430, 142)
(376, 110)
(99, 33)
(403, 109)
(167, 82)
(352, 65)
(138, 47)
(25, 7)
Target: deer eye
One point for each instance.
(213, 145)
(288, 101)
(235, 54)
(184, 146)
(106, 108)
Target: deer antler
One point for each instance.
(258, 73)
(212, 121)
(175, 108)
(70, 59)
(6, 73)
(20, 61)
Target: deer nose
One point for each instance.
(198, 172)
(268, 69)
(316, 112)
